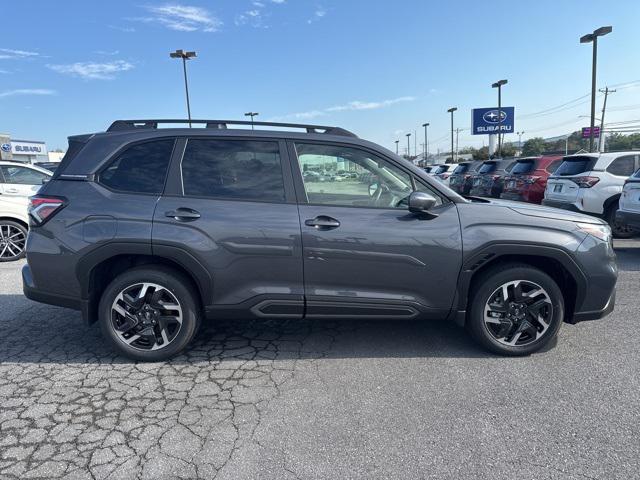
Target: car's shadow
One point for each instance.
(36, 333)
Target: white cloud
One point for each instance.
(183, 18)
(351, 106)
(27, 91)
(279, 2)
(122, 29)
(320, 12)
(6, 53)
(93, 70)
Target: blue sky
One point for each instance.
(379, 68)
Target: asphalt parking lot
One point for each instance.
(278, 400)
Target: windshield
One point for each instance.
(575, 166)
(462, 168)
(524, 166)
(487, 167)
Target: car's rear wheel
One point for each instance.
(516, 310)
(149, 313)
(618, 229)
(13, 239)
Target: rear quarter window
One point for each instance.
(575, 166)
(623, 166)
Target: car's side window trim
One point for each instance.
(178, 190)
(301, 192)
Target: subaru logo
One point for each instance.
(6, 147)
(493, 116)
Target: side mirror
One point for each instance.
(420, 202)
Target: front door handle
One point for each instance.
(322, 222)
(11, 190)
(183, 214)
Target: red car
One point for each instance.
(528, 178)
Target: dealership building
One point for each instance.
(25, 151)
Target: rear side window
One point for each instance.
(22, 175)
(141, 168)
(523, 167)
(553, 166)
(462, 168)
(234, 169)
(575, 166)
(623, 166)
(487, 167)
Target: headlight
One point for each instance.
(603, 232)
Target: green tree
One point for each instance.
(534, 146)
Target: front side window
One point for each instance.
(140, 168)
(623, 166)
(345, 176)
(22, 175)
(233, 169)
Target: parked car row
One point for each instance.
(606, 185)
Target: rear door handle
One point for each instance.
(322, 222)
(183, 214)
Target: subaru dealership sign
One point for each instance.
(488, 121)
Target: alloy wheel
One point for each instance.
(146, 316)
(518, 313)
(12, 241)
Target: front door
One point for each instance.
(364, 253)
(20, 181)
(229, 205)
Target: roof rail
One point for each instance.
(120, 125)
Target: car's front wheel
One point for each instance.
(13, 239)
(149, 313)
(516, 309)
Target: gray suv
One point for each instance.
(149, 231)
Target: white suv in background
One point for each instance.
(629, 212)
(17, 183)
(592, 183)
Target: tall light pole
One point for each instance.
(408, 135)
(397, 142)
(520, 142)
(251, 114)
(593, 38)
(499, 85)
(426, 142)
(185, 56)
(451, 110)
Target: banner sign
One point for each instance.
(586, 132)
(489, 121)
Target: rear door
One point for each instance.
(229, 206)
(561, 186)
(364, 253)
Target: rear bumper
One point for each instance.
(628, 218)
(34, 293)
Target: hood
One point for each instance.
(533, 210)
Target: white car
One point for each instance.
(629, 212)
(442, 172)
(17, 183)
(592, 183)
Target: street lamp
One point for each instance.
(499, 85)
(185, 56)
(251, 114)
(408, 145)
(426, 143)
(451, 110)
(397, 142)
(593, 38)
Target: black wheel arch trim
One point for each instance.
(610, 201)
(496, 250)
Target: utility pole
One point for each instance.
(415, 143)
(451, 110)
(397, 142)
(593, 38)
(426, 142)
(251, 114)
(457, 132)
(408, 145)
(499, 85)
(606, 92)
(185, 56)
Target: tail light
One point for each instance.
(531, 180)
(585, 182)
(42, 208)
(467, 176)
(444, 176)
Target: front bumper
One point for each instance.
(628, 218)
(596, 314)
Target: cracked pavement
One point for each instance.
(303, 399)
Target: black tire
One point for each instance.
(8, 245)
(618, 230)
(486, 286)
(176, 284)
